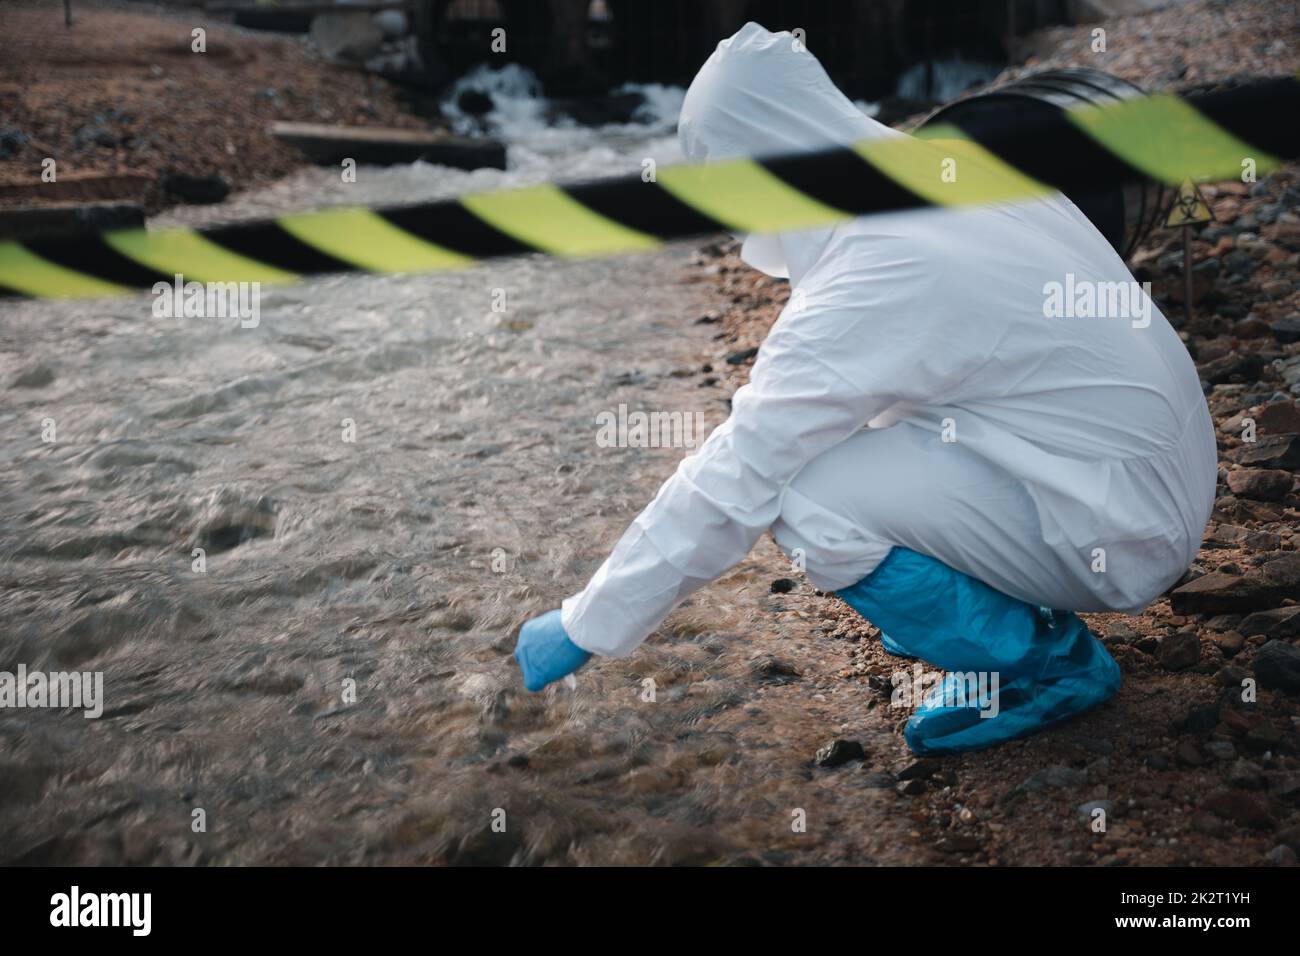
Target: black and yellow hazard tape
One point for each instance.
(1164, 137)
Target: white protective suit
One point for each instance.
(1075, 444)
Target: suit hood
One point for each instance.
(761, 94)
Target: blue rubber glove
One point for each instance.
(545, 653)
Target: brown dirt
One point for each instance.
(122, 92)
(1184, 44)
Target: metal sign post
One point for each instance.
(1188, 208)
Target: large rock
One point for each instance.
(1261, 484)
(1285, 786)
(1235, 536)
(351, 36)
(1245, 775)
(1279, 418)
(32, 375)
(1221, 593)
(1243, 809)
(1272, 451)
(392, 23)
(1287, 330)
(1235, 366)
(1277, 666)
(839, 752)
(200, 190)
(1180, 651)
(1279, 622)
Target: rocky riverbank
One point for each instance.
(125, 94)
(1186, 771)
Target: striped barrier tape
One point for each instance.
(1163, 137)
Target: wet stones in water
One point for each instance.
(227, 537)
(599, 110)
(774, 671)
(475, 103)
(921, 769)
(881, 686)
(229, 522)
(875, 780)
(484, 847)
(839, 752)
(38, 375)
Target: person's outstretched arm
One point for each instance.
(820, 377)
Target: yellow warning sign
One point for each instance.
(1188, 207)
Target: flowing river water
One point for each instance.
(386, 477)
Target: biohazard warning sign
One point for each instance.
(1189, 207)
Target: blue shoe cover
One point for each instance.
(1047, 665)
(545, 653)
(954, 721)
(891, 646)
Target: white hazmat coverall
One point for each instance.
(920, 397)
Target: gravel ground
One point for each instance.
(1184, 44)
